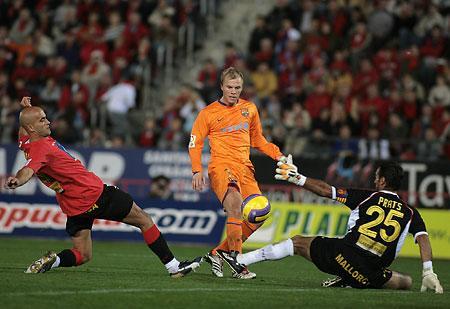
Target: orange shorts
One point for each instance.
(223, 175)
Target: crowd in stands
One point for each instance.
(363, 79)
(77, 58)
(355, 78)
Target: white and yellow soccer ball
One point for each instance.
(255, 208)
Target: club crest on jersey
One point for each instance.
(244, 112)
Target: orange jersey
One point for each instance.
(231, 130)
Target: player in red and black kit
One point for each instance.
(377, 228)
(82, 196)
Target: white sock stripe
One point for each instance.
(56, 263)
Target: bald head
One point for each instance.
(34, 121)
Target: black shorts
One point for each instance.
(114, 204)
(356, 267)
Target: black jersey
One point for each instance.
(379, 222)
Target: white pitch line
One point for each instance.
(179, 290)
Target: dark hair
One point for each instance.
(392, 173)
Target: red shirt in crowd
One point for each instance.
(76, 188)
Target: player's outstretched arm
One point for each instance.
(288, 171)
(429, 278)
(21, 178)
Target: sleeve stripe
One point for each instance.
(418, 234)
(333, 192)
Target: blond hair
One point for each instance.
(231, 73)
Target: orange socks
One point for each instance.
(246, 228)
(234, 234)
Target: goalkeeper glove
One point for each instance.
(430, 281)
(288, 171)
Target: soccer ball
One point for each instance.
(255, 208)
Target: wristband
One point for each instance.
(428, 265)
(301, 180)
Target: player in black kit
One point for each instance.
(377, 228)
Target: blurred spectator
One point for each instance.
(429, 20)
(367, 75)
(359, 41)
(346, 143)
(260, 32)
(439, 95)
(119, 99)
(149, 135)
(373, 147)
(44, 45)
(69, 49)
(160, 188)
(172, 138)
(265, 81)
(317, 146)
(208, 81)
(280, 11)
(165, 37)
(22, 27)
(63, 132)
(135, 30)
(408, 83)
(73, 91)
(266, 53)
(380, 23)
(191, 104)
(49, 97)
(343, 171)
(429, 148)
(94, 71)
(115, 27)
(318, 100)
(163, 10)
(97, 138)
(405, 20)
(374, 103)
(231, 55)
(9, 113)
(410, 107)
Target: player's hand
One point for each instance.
(12, 183)
(198, 181)
(26, 102)
(431, 281)
(287, 170)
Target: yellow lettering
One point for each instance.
(343, 263)
(339, 258)
(380, 200)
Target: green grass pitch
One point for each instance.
(128, 275)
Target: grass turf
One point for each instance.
(128, 275)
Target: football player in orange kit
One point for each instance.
(232, 126)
